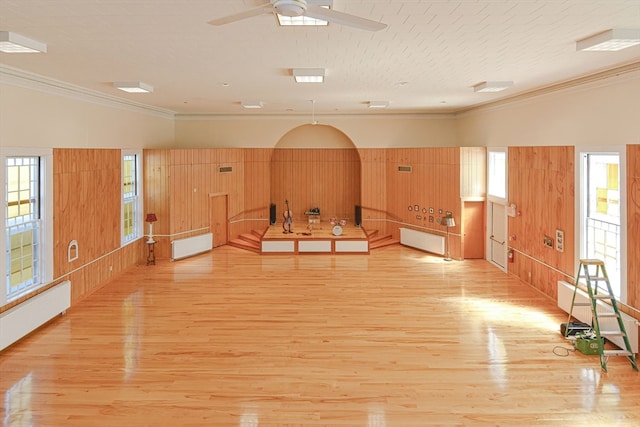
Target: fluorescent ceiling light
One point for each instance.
(611, 40)
(491, 86)
(308, 75)
(134, 87)
(251, 104)
(15, 43)
(378, 104)
(301, 20)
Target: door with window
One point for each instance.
(496, 207)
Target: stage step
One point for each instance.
(377, 241)
(251, 238)
(371, 234)
(249, 241)
(259, 233)
(246, 245)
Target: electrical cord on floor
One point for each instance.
(565, 351)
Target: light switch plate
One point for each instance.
(559, 240)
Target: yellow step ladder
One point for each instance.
(596, 293)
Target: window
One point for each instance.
(27, 247)
(131, 205)
(22, 222)
(601, 233)
(497, 173)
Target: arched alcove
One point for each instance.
(315, 166)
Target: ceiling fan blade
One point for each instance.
(265, 8)
(342, 18)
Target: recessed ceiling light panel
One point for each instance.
(16, 43)
(308, 75)
(610, 41)
(492, 86)
(133, 87)
(378, 104)
(251, 105)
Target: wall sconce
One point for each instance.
(151, 218)
(448, 221)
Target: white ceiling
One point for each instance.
(426, 60)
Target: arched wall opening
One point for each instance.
(315, 166)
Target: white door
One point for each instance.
(496, 206)
(497, 235)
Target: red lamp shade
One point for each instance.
(151, 217)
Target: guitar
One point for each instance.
(287, 224)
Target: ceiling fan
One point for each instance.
(310, 8)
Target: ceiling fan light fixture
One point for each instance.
(308, 75)
(290, 7)
(133, 87)
(492, 86)
(378, 104)
(16, 43)
(610, 40)
(252, 105)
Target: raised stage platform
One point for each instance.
(320, 240)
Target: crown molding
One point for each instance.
(20, 78)
(319, 117)
(607, 77)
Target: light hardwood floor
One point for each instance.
(232, 338)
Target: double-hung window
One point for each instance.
(27, 217)
(131, 197)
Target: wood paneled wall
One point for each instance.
(334, 180)
(156, 166)
(87, 204)
(373, 200)
(179, 184)
(433, 183)
(325, 178)
(257, 191)
(633, 225)
(542, 186)
(87, 200)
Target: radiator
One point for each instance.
(583, 314)
(420, 240)
(33, 313)
(183, 248)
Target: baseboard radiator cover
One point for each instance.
(583, 314)
(420, 240)
(189, 246)
(26, 317)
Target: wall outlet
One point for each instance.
(548, 242)
(559, 240)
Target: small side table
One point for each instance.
(151, 253)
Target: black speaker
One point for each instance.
(272, 214)
(358, 215)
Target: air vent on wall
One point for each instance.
(404, 168)
(226, 168)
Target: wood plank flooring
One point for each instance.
(232, 338)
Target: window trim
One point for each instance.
(580, 198)
(46, 206)
(139, 208)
